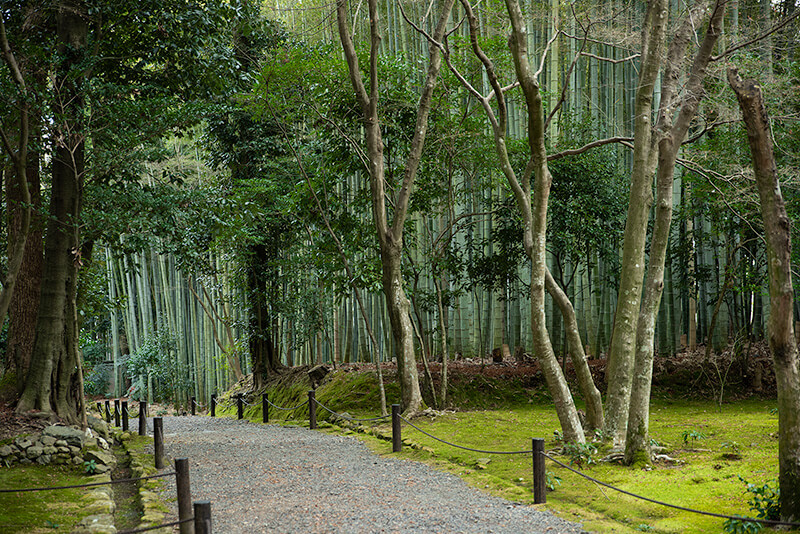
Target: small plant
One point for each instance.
(558, 436)
(764, 501)
(90, 466)
(654, 442)
(599, 435)
(693, 435)
(644, 528)
(580, 454)
(773, 411)
(738, 526)
(551, 480)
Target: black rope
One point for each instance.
(347, 417)
(712, 514)
(118, 481)
(287, 409)
(145, 529)
(462, 447)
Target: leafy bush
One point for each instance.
(155, 359)
(95, 382)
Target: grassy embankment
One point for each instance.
(504, 414)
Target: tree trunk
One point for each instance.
(53, 362)
(623, 341)
(669, 137)
(782, 343)
(263, 354)
(390, 235)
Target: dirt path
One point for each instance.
(268, 478)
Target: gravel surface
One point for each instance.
(268, 478)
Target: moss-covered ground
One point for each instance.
(39, 512)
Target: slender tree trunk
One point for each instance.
(390, 234)
(623, 341)
(782, 343)
(669, 138)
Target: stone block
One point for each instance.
(22, 442)
(33, 452)
(72, 436)
(6, 450)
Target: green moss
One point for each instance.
(45, 511)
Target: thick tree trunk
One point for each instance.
(623, 341)
(782, 342)
(50, 385)
(24, 303)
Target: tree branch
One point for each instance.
(589, 146)
(763, 35)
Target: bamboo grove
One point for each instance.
(220, 189)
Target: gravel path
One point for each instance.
(268, 478)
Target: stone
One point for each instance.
(72, 436)
(22, 442)
(101, 468)
(49, 441)
(44, 459)
(98, 425)
(104, 506)
(99, 524)
(77, 460)
(25, 461)
(100, 457)
(103, 444)
(6, 450)
(60, 443)
(74, 450)
(64, 450)
(33, 452)
(49, 449)
(316, 374)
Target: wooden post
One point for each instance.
(240, 406)
(312, 410)
(100, 409)
(202, 517)
(108, 412)
(264, 408)
(539, 478)
(116, 413)
(125, 424)
(142, 418)
(214, 405)
(158, 441)
(194, 403)
(184, 494)
(397, 443)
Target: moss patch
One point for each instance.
(41, 511)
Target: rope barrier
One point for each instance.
(118, 481)
(712, 514)
(348, 418)
(461, 446)
(287, 409)
(146, 529)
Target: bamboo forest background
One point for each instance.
(165, 301)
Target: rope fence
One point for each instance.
(537, 451)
